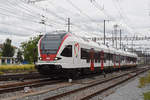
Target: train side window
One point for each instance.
(114, 58)
(84, 53)
(96, 57)
(108, 57)
(99, 57)
(105, 57)
(122, 58)
(117, 58)
(111, 57)
(67, 52)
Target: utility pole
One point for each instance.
(104, 31)
(112, 38)
(68, 24)
(132, 43)
(120, 38)
(115, 31)
(43, 21)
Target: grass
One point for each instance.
(16, 68)
(144, 80)
(146, 96)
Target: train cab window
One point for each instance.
(67, 52)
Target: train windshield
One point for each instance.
(51, 42)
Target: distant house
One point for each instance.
(8, 60)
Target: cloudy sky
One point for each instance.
(21, 19)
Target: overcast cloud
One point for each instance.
(20, 20)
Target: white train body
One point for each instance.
(63, 52)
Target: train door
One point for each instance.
(92, 59)
(114, 60)
(119, 61)
(76, 54)
(102, 59)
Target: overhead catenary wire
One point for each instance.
(13, 5)
(96, 5)
(121, 13)
(82, 13)
(7, 12)
(24, 18)
(61, 18)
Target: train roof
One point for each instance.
(92, 44)
(105, 48)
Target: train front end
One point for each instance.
(48, 48)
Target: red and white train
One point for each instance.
(64, 53)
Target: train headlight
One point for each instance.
(56, 58)
(40, 58)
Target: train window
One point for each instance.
(121, 58)
(128, 59)
(50, 43)
(114, 58)
(111, 57)
(88, 60)
(105, 57)
(67, 52)
(117, 58)
(96, 57)
(84, 53)
(99, 57)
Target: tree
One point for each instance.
(0, 54)
(30, 50)
(7, 49)
(19, 56)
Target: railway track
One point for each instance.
(91, 90)
(82, 93)
(21, 85)
(34, 75)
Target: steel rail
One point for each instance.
(20, 76)
(91, 85)
(21, 85)
(111, 86)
